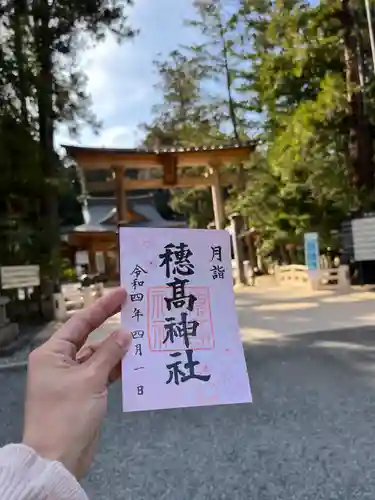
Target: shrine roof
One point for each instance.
(76, 150)
(100, 215)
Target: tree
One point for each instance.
(305, 76)
(214, 22)
(316, 148)
(55, 33)
(42, 85)
(70, 207)
(360, 144)
(296, 76)
(184, 119)
(19, 190)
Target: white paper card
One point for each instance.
(186, 348)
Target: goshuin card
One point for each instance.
(180, 310)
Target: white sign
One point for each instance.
(364, 239)
(186, 349)
(19, 277)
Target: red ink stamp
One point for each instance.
(157, 313)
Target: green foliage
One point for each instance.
(302, 180)
(298, 77)
(192, 113)
(195, 205)
(41, 86)
(183, 118)
(67, 273)
(70, 209)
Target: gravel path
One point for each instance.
(309, 435)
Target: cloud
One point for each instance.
(121, 78)
(117, 137)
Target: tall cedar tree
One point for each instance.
(41, 86)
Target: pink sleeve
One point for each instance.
(24, 475)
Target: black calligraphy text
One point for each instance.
(176, 260)
(180, 329)
(137, 314)
(138, 334)
(216, 253)
(177, 375)
(179, 298)
(218, 272)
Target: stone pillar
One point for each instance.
(8, 331)
(344, 284)
(3, 312)
(217, 197)
(59, 310)
(236, 223)
(120, 193)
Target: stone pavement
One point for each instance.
(309, 435)
(265, 311)
(268, 311)
(278, 312)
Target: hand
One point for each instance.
(66, 398)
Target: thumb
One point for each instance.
(110, 353)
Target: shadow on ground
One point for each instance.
(284, 311)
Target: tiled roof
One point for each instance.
(216, 147)
(99, 214)
(173, 149)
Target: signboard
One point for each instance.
(19, 277)
(312, 253)
(363, 231)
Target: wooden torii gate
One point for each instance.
(167, 166)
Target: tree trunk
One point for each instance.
(19, 14)
(284, 255)
(361, 151)
(48, 157)
(231, 106)
(252, 251)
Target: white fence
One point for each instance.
(335, 279)
(293, 275)
(332, 279)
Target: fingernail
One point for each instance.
(84, 354)
(123, 338)
(123, 301)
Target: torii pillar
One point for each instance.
(217, 197)
(121, 202)
(237, 223)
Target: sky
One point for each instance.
(121, 77)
